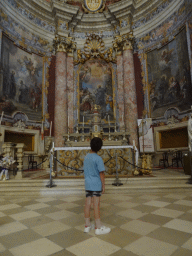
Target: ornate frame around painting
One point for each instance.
(169, 78)
(96, 86)
(22, 86)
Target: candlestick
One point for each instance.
(50, 129)
(108, 120)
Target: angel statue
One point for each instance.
(5, 164)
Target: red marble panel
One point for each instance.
(130, 96)
(120, 93)
(70, 90)
(60, 98)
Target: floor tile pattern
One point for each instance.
(157, 224)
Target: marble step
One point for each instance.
(70, 187)
(80, 182)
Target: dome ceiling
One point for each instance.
(71, 18)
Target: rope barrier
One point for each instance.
(77, 170)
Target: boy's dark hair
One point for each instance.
(96, 144)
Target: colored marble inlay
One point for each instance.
(60, 98)
(130, 95)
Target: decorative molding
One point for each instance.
(123, 42)
(20, 125)
(93, 6)
(94, 47)
(64, 44)
(171, 121)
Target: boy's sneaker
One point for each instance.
(103, 230)
(87, 229)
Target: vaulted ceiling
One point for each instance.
(69, 17)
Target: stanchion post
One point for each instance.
(50, 184)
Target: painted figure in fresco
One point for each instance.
(174, 89)
(85, 74)
(24, 93)
(6, 104)
(18, 92)
(100, 95)
(12, 86)
(109, 103)
(87, 100)
(162, 88)
(35, 96)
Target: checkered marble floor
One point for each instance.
(142, 225)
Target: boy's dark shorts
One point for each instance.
(92, 193)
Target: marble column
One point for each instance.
(120, 95)
(60, 117)
(130, 100)
(70, 90)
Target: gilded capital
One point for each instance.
(123, 42)
(127, 45)
(64, 44)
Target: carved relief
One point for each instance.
(95, 6)
(64, 44)
(94, 48)
(123, 42)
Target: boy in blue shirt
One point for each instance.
(94, 186)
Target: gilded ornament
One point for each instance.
(47, 115)
(94, 47)
(93, 6)
(64, 44)
(123, 42)
(22, 43)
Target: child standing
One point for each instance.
(94, 186)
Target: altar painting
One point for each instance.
(96, 87)
(21, 88)
(169, 76)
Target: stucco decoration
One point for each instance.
(27, 14)
(94, 48)
(165, 32)
(23, 37)
(151, 15)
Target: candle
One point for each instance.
(122, 117)
(68, 121)
(83, 121)
(1, 117)
(77, 113)
(133, 143)
(50, 129)
(108, 120)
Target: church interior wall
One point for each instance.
(158, 31)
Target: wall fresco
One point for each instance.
(96, 87)
(169, 76)
(21, 88)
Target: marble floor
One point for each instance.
(148, 224)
